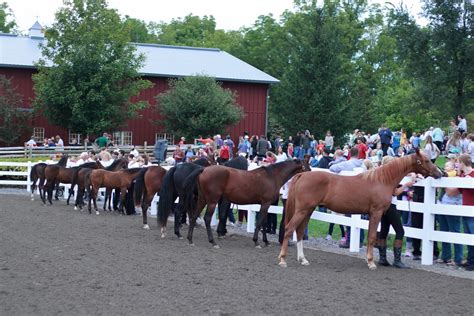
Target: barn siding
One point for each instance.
(250, 96)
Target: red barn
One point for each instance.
(19, 53)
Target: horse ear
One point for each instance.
(418, 151)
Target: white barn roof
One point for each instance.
(161, 60)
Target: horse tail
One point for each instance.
(140, 188)
(190, 188)
(75, 177)
(290, 202)
(167, 196)
(33, 177)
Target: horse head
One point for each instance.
(424, 165)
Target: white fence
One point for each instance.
(429, 209)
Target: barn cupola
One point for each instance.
(36, 31)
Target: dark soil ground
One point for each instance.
(54, 260)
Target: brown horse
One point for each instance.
(121, 179)
(258, 186)
(147, 184)
(84, 170)
(366, 193)
(37, 173)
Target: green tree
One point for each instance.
(317, 88)
(14, 120)
(89, 71)
(138, 31)
(7, 23)
(197, 105)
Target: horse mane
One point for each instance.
(201, 161)
(133, 170)
(277, 166)
(240, 163)
(88, 164)
(63, 161)
(390, 171)
(114, 164)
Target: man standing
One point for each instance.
(438, 137)
(102, 141)
(262, 147)
(385, 138)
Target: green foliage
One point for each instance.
(14, 119)
(198, 106)
(7, 22)
(89, 71)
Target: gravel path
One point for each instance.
(54, 260)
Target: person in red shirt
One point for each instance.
(363, 148)
(465, 167)
(224, 153)
(181, 141)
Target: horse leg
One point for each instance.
(123, 192)
(374, 221)
(71, 192)
(146, 202)
(56, 188)
(178, 210)
(262, 219)
(299, 237)
(49, 189)
(295, 221)
(223, 214)
(207, 219)
(193, 215)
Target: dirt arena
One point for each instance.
(54, 260)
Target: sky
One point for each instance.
(229, 15)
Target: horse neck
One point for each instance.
(392, 173)
(282, 175)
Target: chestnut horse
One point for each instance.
(147, 184)
(367, 193)
(84, 171)
(121, 179)
(258, 186)
(37, 172)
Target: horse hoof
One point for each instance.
(96, 212)
(163, 235)
(283, 264)
(75, 208)
(216, 247)
(221, 237)
(180, 237)
(258, 247)
(191, 244)
(146, 227)
(372, 266)
(304, 262)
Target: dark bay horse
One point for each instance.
(84, 171)
(147, 184)
(121, 179)
(258, 186)
(171, 188)
(366, 193)
(37, 172)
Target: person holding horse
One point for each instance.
(392, 217)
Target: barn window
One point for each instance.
(167, 136)
(74, 138)
(38, 134)
(123, 138)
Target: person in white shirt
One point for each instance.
(31, 142)
(281, 156)
(135, 152)
(59, 141)
(462, 125)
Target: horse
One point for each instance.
(258, 186)
(121, 179)
(83, 171)
(171, 188)
(367, 193)
(147, 184)
(37, 172)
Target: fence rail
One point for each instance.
(429, 208)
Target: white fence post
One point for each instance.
(251, 214)
(428, 223)
(28, 178)
(355, 234)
